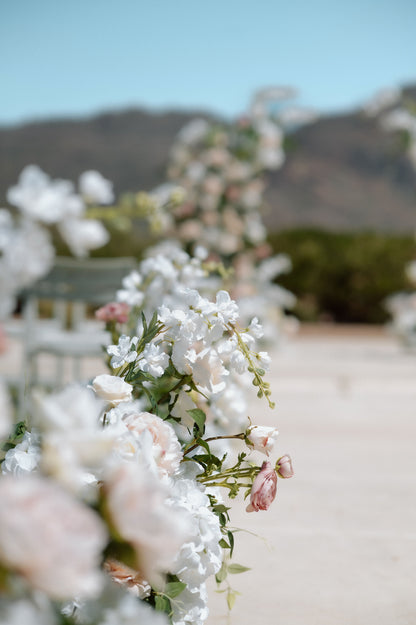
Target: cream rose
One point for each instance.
(112, 388)
(262, 438)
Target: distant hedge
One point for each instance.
(341, 277)
(344, 277)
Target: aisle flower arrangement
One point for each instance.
(116, 495)
(402, 306)
(221, 168)
(42, 205)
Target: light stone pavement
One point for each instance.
(338, 546)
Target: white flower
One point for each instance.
(112, 388)
(83, 235)
(43, 199)
(136, 502)
(262, 438)
(74, 443)
(37, 611)
(95, 188)
(191, 607)
(130, 611)
(153, 360)
(165, 447)
(50, 538)
(130, 292)
(24, 457)
(123, 352)
(201, 555)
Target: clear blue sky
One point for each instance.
(61, 58)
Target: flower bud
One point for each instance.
(284, 467)
(262, 438)
(115, 311)
(263, 490)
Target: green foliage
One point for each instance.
(344, 277)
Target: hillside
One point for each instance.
(342, 172)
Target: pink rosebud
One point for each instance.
(115, 311)
(284, 467)
(262, 438)
(263, 490)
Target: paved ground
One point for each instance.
(338, 546)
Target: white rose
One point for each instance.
(262, 438)
(112, 388)
(50, 538)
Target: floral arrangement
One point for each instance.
(221, 169)
(115, 497)
(42, 204)
(402, 306)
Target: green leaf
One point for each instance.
(162, 604)
(173, 589)
(222, 573)
(237, 568)
(231, 597)
(231, 540)
(199, 417)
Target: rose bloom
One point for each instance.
(136, 503)
(284, 467)
(127, 577)
(264, 488)
(112, 388)
(262, 438)
(166, 449)
(50, 538)
(115, 311)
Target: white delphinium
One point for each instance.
(153, 360)
(49, 537)
(191, 607)
(124, 352)
(95, 188)
(43, 199)
(24, 457)
(83, 235)
(201, 556)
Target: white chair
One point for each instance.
(73, 287)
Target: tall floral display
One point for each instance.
(402, 306)
(221, 168)
(41, 204)
(116, 494)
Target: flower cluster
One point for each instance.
(221, 167)
(112, 505)
(402, 306)
(26, 248)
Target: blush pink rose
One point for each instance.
(284, 467)
(264, 488)
(115, 311)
